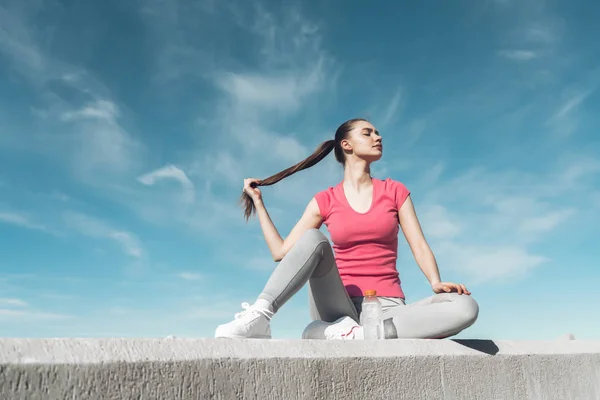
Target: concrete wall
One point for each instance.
(283, 369)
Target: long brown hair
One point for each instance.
(320, 153)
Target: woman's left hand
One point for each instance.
(448, 287)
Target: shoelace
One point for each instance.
(248, 309)
(343, 335)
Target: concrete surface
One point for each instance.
(301, 369)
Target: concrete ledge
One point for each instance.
(301, 369)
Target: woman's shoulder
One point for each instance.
(394, 190)
(326, 193)
(390, 184)
(324, 199)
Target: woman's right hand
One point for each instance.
(253, 192)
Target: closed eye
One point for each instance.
(369, 131)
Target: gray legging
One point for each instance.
(312, 260)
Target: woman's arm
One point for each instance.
(278, 245)
(424, 257)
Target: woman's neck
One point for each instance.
(357, 176)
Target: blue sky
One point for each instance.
(126, 129)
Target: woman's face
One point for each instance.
(364, 142)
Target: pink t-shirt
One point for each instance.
(366, 244)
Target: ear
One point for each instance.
(345, 143)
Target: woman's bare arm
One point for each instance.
(413, 233)
(278, 245)
(424, 257)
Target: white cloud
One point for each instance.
(437, 223)
(21, 220)
(130, 243)
(565, 121)
(17, 310)
(170, 172)
(285, 37)
(100, 142)
(12, 302)
(483, 224)
(61, 196)
(96, 228)
(287, 76)
(293, 72)
(488, 262)
(17, 43)
(571, 103)
(540, 34)
(26, 49)
(221, 165)
(271, 91)
(392, 111)
(518, 55)
(544, 223)
(94, 141)
(101, 109)
(11, 315)
(533, 32)
(190, 276)
(578, 171)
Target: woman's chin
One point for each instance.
(377, 156)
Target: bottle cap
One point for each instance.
(370, 292)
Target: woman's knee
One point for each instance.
(312, 238)
(467, 309)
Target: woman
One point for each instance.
(363, 215)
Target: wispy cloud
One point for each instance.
(102, 143)
(271, 92)
(285, 79)
(14, 310)
(440, 223)
(518, 55)
(250, 102)
(190, 276)
(541, 33)
(171, 172)
(578, 171)
(12, 302)
(290, 77)
(100, 110)
(23, 44)
(392, 111)
(22, 221)
(532, 32)
(507, 214)
(96, 228)
(178, 57)
(565, 120)
(93, 140)
(544, 223)
(10, 315)
(486, 263)
(18, 44)
(572, 103)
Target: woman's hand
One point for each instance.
(253, 192)
(447, 287)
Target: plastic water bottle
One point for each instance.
(371, 316)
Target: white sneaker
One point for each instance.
(344, 328)
(252, 323)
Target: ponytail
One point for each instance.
(320, 153)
